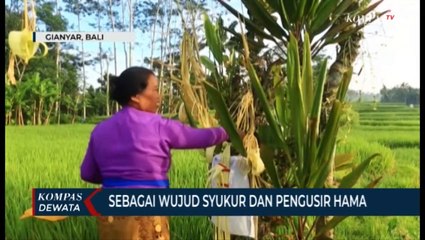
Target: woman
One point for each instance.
(132, 150)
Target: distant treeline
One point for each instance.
(402, 93)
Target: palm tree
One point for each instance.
(297, 114)
(20, 99)
(73, 104)
(41, 92)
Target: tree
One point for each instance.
(56, 72)
(112, 16)
(288, 99)
(49, 14)
(100, 11)
(384, 94)
(43, 93)
(80, 9)
(402, 93)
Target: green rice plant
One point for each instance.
(361, 149)
(381, 227)
(406, 174)
(412, 116)
(30, 163)
(391, 110)
(390, 122)
(188, 171)
(50, 157)
(382, 106)
(409, 156)
(390, 117)
(391, 138)
(389, 128)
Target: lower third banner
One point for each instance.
(226, 202)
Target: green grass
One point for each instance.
(398, 143)
(44, 157)
(404, 138)
(361, 150)
(390, 123)
(50, 156)
(399, 110)
(378, 228)
(390, 117)
(406, 175)
(189, 171)
(415, 129)
(390, 113)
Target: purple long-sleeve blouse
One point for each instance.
(136, 145)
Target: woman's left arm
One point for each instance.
(89, 169)
(180, 136)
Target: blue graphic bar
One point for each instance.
(226, 202)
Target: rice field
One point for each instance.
(50, 156)
(393, 131)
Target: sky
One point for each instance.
(390, 48)
(389, 54)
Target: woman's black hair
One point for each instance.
(132, 81)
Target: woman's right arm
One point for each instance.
(180, 136)
(89, 169)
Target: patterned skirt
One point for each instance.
(133, 228)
